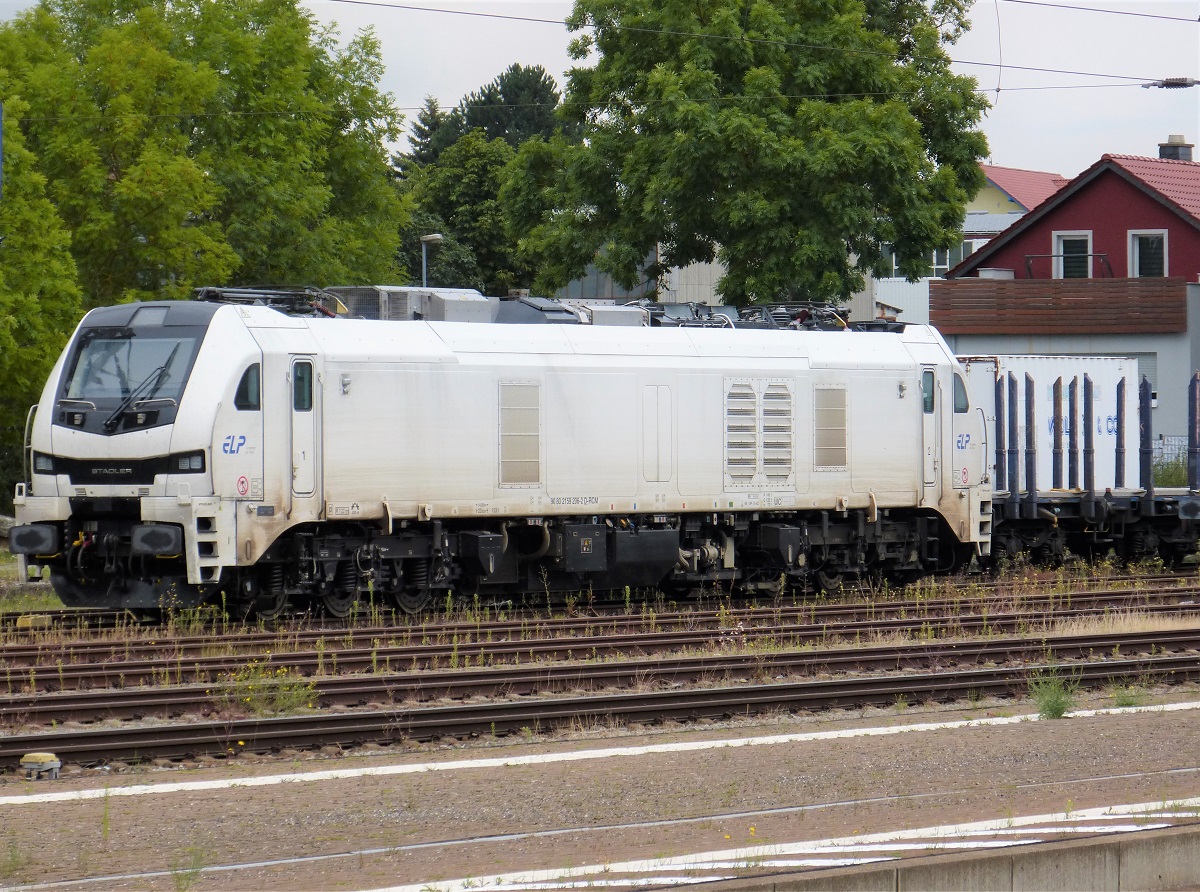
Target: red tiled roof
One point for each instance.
(1029, 187)
(1177, 181)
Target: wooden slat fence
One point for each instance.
(1058, 306)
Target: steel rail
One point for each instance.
(365, 689)
(543, 714)
(135, 654)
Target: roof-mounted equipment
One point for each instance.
(292, 300)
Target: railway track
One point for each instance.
(130, 660)
(358, 690)
(390, 726)
(29, 670)
(530, 666)
(22, 622)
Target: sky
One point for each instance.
(1040, 120)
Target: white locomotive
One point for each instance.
(183, 449)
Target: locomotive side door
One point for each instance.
(931, 436)
(304, 426)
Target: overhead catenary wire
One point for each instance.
(1097, 9)
(519, 105)
(766, 41)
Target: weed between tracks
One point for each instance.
(261, 690)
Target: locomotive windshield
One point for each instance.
(127, 370)
(112, 364)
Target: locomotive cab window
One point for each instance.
(961, 403)
(927, 390)
(247, 398)
(112, 364)
(302, 387)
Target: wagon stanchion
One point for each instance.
(1119, 475)
(1031, 491)
(1014, 468)
(1147, 449)
(1194, 433)
(1001, 427)
(1057, 473)
(1073, 435)
(1089, 450)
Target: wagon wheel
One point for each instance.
(830, 581)
(338, 604)
(412, 601)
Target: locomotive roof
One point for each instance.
(357, 340)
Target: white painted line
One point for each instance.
(1072, 828)
(754, 854)
(600, 884)
(941, 845)
(787, 862)
(550, 758)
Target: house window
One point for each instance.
(1072, 255)
(1147, 254)
(938, 263)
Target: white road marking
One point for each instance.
(754, 855)
(550, 758)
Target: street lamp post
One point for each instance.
(434, 238)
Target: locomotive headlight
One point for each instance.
(188, 462)
(43, 464)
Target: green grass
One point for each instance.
(186, 871)
(8, 564)
(17, 595)
(1172, 472)
(263, 690)
(1053, 694)
(1127, 695)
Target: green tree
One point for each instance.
(207, 141)
(104, 121)
(518, 105)
(39, 296)
(450, 264)
(295, 139)
(433, 131)
(462, 192)
(791, 141)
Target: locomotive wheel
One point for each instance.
(337, 604)
(413, 602)
(271, 606)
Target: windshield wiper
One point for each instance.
(150, 385)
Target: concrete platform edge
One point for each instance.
(1145, 860)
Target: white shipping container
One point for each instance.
(1105, 372)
